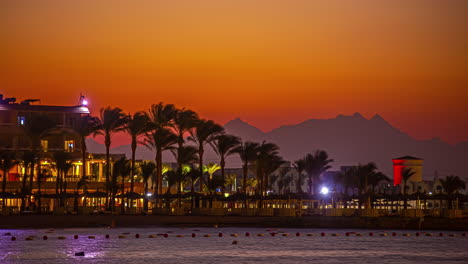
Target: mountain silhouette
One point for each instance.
(349, 140)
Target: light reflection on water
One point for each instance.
(214, 249)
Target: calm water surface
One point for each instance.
(214, 249)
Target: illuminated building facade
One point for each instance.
(413, 163)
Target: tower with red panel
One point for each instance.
(416, 164)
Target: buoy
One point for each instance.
(247, 234)
(417, 234)
(347, 233)
(137, 236)
(107, 236)
(234, 235)
(151, 236)
(322, 234)
(79, 254)
(61, 237)
(298, 234)
(394, 234)
(44, 237)
(285, 234)
(371, 234)
(220, 234)
(259, 234)
(272, 234)
(166, 235)
(121, 236)
(13, 238)
(310, 234)
(207, 235)
(235, 242)
(194, 235)
(406, 234)
(75, 236)
(29, 238)
(441, 234)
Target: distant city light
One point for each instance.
(324, 190)
(148, 194)
(430, 193)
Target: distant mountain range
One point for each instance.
(349, 140)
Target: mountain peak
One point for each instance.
(358, 115)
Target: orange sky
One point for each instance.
(268, 62)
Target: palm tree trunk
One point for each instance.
(4, 182)
(222, 164)
(23, 188)
(200, 156)
(108, 168)
(245, 170)
(132, 169)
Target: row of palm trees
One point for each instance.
(164, 127)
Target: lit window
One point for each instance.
(21, 120)
(44, 145)
(69, 145)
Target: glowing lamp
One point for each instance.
(148, 194)
(324, 190)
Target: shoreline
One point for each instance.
(90, 221)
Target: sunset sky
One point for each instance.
(268, 62)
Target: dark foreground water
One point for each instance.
(220, 250)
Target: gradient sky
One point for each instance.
(267, 62)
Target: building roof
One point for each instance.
(45, 108)
(407, 158)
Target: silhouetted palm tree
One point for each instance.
(28, 159)
(248, 152)
(204, 132)
(315, 165)
(452, 184)
(121, 169)
(136, 126)
(7, 162)
(184, 155)
(36, 127)
(267, 161)
(112, 120)
(406, 175)
(147, 169)
(299, 165)
(160, 138)
(86, 126)
(224, 146)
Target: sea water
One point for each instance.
(208, 247)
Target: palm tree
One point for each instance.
(248, 152)
(315, 165)
(28, 159)
(267, 161)
(147, 169)
(406, 175)
(62, 165)
(205, 131)
(121, 169)
(224, 146)
(36, 127)
(7, 162)
(299, 165)
(112, 120)
(160, 138)
(87, 125)
(452, 184)
(136, 126)
(184, 155)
